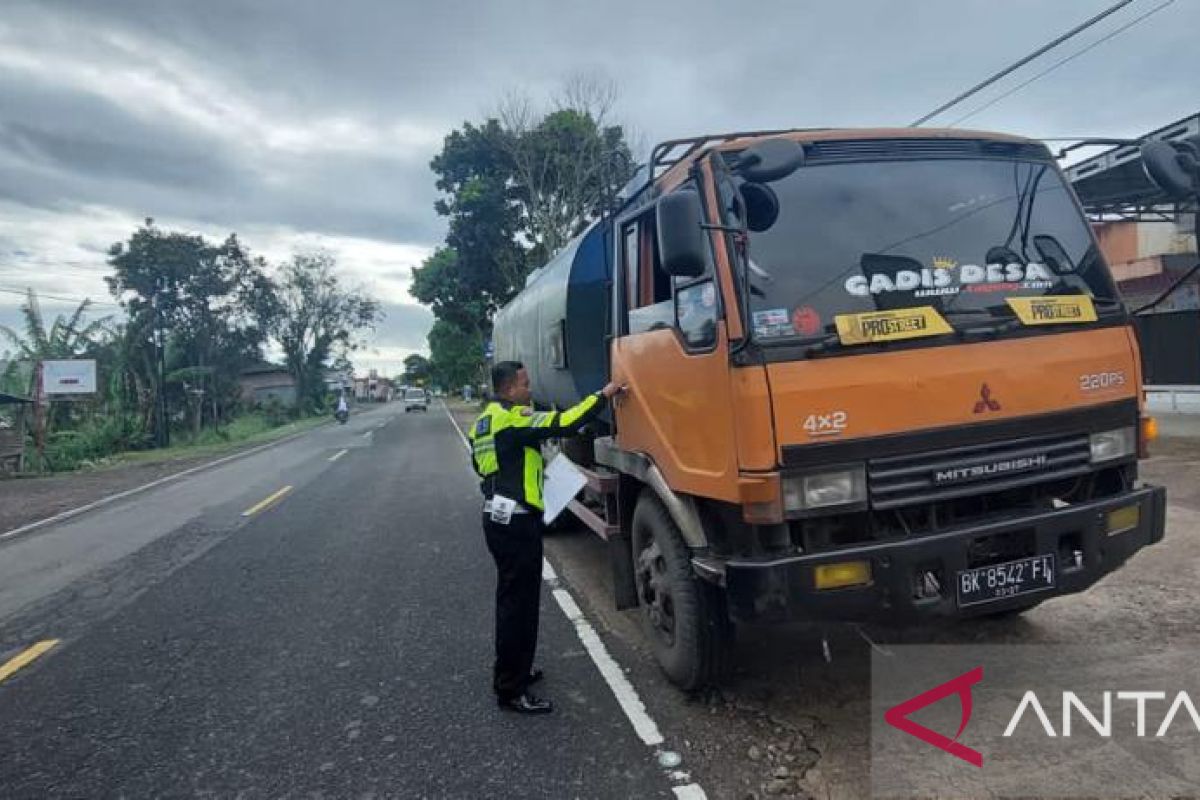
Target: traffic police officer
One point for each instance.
(505, 446)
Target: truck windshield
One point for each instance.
(962, 236)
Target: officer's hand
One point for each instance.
(611, 390)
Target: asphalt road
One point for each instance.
(336, 642)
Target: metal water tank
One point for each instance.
(558, 325)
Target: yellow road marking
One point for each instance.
(26, 658)
(338, 455)
(266, 502)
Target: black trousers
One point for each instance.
(517, 550)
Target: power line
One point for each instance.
(1060, 62)
(1017, 65)
(76, 300)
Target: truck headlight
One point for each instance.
(1112, 445)
(837, 487)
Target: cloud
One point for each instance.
(401, 334)
(299, 124)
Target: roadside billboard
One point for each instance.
(77, 376)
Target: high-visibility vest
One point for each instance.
(526, 486)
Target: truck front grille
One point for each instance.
(911, 479)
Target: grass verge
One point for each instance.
(244, 431)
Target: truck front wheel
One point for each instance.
(684, 618)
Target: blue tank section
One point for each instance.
(558, 325)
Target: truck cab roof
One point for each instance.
(670, 161)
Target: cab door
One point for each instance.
(672, 349)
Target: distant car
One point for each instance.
(416, 400)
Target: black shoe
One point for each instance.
(525, 703)
(534, 677)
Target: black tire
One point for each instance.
(683, 617)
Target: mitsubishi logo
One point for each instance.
(986, 403)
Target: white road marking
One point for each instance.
(622, 689)
(112, 498)
(457, 429)
(338, 455)
(626, 696)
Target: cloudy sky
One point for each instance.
(301, 123)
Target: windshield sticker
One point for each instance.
(946, 277)
(1052, 310)
(890, 326)
(773, 322)
(806, 321)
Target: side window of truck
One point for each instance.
(650, 307)
(696, 308)
(696, 313)
(629, 252)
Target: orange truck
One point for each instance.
(873, 375)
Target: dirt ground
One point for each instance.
(793, 723)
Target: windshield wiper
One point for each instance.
(819, 347)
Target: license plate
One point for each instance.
(1001, 581)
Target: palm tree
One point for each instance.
(66, 337)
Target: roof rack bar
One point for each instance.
(659, 156)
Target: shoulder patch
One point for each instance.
(526, 411)
(483, 425)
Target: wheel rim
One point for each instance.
(654, 590)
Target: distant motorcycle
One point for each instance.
(341, 416)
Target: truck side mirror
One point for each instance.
(769, 160)
(681, 244)
(762, 206)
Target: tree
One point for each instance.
(130, 372)
(456, 355)
(454, 295)
(516, 189)
(483, 263)
(317, 320)
(193, 306)
(66, 337)
(416, 370)
(566, 163)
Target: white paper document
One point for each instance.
(563, 481)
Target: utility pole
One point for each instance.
(161, 435)
(39, 415)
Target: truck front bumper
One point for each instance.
(784, 589)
